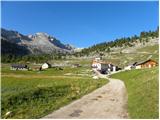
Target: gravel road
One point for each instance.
(109, 101)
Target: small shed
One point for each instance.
(19, 67)
(146, 64)
(46, 65)
(130, 66)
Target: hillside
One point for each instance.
(125, 51)
(39, 43)
(123, 59)
(13, 48)
(142, 88)
(138, 55)
(125, 44)
(17, 47)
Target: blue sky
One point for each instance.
(81, 24)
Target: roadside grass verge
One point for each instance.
(143, 92)
(37, 97)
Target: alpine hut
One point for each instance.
(46, 65)
(146, 64)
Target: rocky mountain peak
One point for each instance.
(41, 34)
(40, 42)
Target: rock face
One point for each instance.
(37, 43)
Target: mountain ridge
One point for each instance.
(24, 46)
(38, 43)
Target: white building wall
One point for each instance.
(97, 66)
(138, 67)
(45, 66)
(128, 67)
(114, 68)
(149, 66)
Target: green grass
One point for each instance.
(142, 87)
(30, 94)
(150, 49)
(48, 72)
(141, 54)
(124, 59)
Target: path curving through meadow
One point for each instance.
(109, 101)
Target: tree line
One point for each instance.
(12, 53)
(41, 58)
(125, 41)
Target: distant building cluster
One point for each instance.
(45, 65)
(107, 67)
(104, 67)
(143, 64)
(19, 67)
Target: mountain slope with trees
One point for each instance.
(37, 44)
(143, 38)
(38, 47)
(17, 47)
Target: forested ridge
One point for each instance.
(124, 41)
(15, 53)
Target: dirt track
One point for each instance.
(109, 101)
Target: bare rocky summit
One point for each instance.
(38, 43)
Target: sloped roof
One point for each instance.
(142, 62)
(47, 63)
(134, 63)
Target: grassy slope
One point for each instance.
(142, 87)
(123, 59)
(28, 96)
(150, 49)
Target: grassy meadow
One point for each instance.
(143, 90)
(34, 94)
(140, 54)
